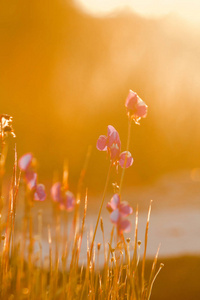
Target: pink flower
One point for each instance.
(118, 211)
(30, 176)
(112, 144)
(25, 161)
(136, 108)
(126, 155)
(31, 179)
(64, 197)
(56, 192)
(40, 194)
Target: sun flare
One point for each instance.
(188, 10)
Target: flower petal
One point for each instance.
(125, 208)
(115, 216)
(56, 192)
(115, 201)
(102, 143)
(25, 161)
(125, 156)
(111, 129)
(131, 101)
(69, 201)
(31, 179)
(124, 225)
(113, 137)
(40, 194)
(141, 111)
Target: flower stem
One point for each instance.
(127, 148)
(1, 161)
(100, 209)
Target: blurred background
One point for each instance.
(65, 71)
(67, 67)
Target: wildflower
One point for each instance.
(6, 126)
(25, 161)
(112, 144)
(118, 211)
(40, 194)
(31, 179)
(62, 196)
(26, 165)
(136, 108)
(126, 155)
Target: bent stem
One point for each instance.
(127, 147)
(100, 209)
(145, 248)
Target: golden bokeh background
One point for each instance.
(65, 75)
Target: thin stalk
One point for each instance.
(145, 245)
(79, 190)
(65, 230)
(161, 266)
(83, 224)
(95, 231)
(104, 244)
(100, 209)
(1, 159)
(151, 279)
(1, 173)
(97, 273)
(127, 147)
(50, 259)
(134, 260)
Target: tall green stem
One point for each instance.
(127, 148)
(100, 209)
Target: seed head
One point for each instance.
(6, 128)
(98, 246)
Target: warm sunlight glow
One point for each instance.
(187, 9)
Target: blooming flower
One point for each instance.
(64, 197)
(30, 176)
(40, 194)
(136, 108)
(112, 144)
(25, 161)
(31, 179)
(118, 211)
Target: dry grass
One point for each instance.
(24, 274)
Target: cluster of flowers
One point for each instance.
(136, 109)
(118, 211)
(26, 165)
(112, 144)
(59, 193)
(62, 196)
